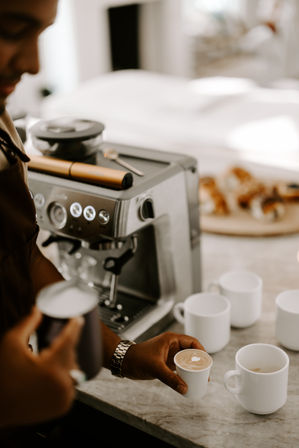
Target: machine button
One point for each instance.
(57, 215)
(39, 200)
(147, 210)
(89, 213)
(76, 209)
(104, 217)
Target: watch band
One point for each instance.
(118, 357)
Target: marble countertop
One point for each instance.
(217, 420)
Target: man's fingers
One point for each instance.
(190, 342)
(29, 324)
(170, 378)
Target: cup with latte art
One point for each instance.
(194, 367)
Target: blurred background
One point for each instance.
(256, 39)
(181, 75)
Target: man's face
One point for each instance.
(21, 22)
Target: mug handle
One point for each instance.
(213, 286)
(231, 374)
(178, 312)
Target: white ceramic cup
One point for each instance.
(261, 378)
(206, 316)
(244, 289)
(194, 372)
(287, 319)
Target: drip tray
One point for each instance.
(128, 310)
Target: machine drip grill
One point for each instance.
(131, 309)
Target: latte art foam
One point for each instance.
(193, 359)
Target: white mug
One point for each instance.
(244, 291)
(261, 378)
(206, 316)
(287, 319)
(194, 367)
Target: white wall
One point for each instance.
(58, 52)
(163, 43)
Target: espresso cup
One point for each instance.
(194, 367)
(260, 378)
(244, 291)
(206, 316)
(62, 301)
(287, 319)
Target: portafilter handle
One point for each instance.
(76, 244)
(115, 264)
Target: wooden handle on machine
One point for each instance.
(84, 172)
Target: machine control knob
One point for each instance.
(57, 215)
(76, 209)
(39, 200)
(146, 210)
(89, 213)
(104, 217)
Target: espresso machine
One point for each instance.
(136, 240)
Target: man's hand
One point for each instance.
(154, 359)
(36, 387)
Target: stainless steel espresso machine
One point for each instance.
(136, 241)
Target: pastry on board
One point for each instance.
(288, 191)
(246, 192)
(211, 199)
(237, 188)
(234, 177)
(267, 208)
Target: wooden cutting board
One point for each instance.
(241, 223)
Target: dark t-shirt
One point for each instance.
(18, 232)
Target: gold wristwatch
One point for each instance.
(118, 357)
